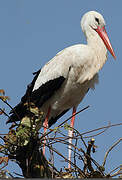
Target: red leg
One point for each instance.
(45, 124)
(71, 134)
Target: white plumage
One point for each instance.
(63, 82)
(77, 65)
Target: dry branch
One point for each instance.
(110, 149)
(24, 145)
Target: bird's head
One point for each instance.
(93, 22)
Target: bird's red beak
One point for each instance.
(103, 34)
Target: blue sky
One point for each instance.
(33, 31)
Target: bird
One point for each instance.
(63, 82)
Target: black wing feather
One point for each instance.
(43, 93)
(30, 87)
(38, 97)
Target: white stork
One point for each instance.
(63, 82)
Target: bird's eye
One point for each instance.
(97, 20)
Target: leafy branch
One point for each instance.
(24, 141)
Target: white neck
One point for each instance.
(99, 48)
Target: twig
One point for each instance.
(87, 132)
(81, 150)
(120, 166)
(67, 143)
(51, 158)
(74, 137)
(106, 154)
(79, 170)
(116, 173)
(73, 115)
(81, 137)
(78, 155)
(4, 112)
(7, 141)
(87, 160)
(11, 108)
(97, 133)
(18, 174)
(97, 165)
(65, 121)
(10, 174)
(53, 167)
